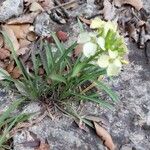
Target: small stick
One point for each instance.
(141, 37)
(62, 8)
(146, 52)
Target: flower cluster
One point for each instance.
(106, 43)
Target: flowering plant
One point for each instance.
(106, 44)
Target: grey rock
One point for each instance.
(43, 25)
(61, 134)
(10, 8)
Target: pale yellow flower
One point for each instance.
(111, 62)
(89, 49)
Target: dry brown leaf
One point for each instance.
(105, 136)
(1, 41)
(47, 4)
(86, 21)
(137, 4)
(10, 67)
(26, 18)
(20, 31)
(43, 146)
(16, 73)
(108, 10)
(78, 49)
(4, 53)
(24, 43)
(31, 36)
(35, 7)
(11, 36)
(22, 51)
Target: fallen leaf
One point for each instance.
(105, 136)
(47, 4)
(26, 18)
(4, 53)
(10, 67)
(1, 41)
(24, 43)
(78, 49)
(22, 51)
(20, 31)
(41, 71)
(137, 4)
(86, 21)
(35, 7)
(43, 146)
(16, 73)
(11, 36)
(31, 36)
(108, 10)
(62, 36)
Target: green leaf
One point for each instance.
(58, 78)
(4, 75)
(95, 100)
(12, 107)
(78, 68)
(80, 25)
(58, 43)
(104, 87)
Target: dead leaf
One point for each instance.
(36, 7)
(108, 10)
(105, 136)
(26, 18)
(47, 4)
(4, 53)
(41, 71)
(10, 67)
(11, 36)
(22, 51)
(78, 49)
(62, 36)
(24, 43)
(1, 41)
(16, 73)
(86, 21)
(137, 4)
(31, 36)
(43, 146)
(20, 31)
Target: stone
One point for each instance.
(10, 8)
(60, 133)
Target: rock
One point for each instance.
(10, 8)
(43, 25)
(61, 134)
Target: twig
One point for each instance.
(62, 8)
(146, 52)
(64, 4)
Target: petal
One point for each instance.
(96, 23)
(113, 54)
(101, 42)
(89, 49)
(83, 37)
(117, 63)
(103, 61)
(113, 70)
